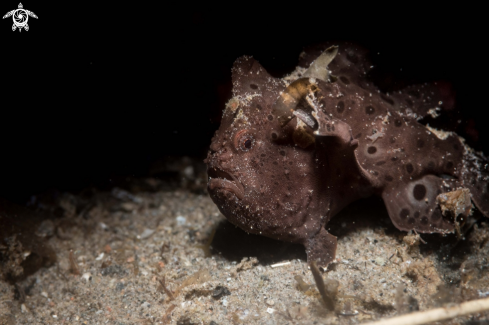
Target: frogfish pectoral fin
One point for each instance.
(321, 248)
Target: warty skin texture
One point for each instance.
(291, 153)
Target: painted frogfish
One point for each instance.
(292, 152)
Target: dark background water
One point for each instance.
(94, 91)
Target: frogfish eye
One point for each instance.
(247, 143)
(244, 140)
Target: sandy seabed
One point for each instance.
(161, 253)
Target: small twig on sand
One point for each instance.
(167, 316)
(438, 314)
(73, 265)
(167, 291)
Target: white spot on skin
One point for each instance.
(434, 112)
(376, 135)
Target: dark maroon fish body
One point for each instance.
(292, 152)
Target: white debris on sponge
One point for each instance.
(440, 134)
